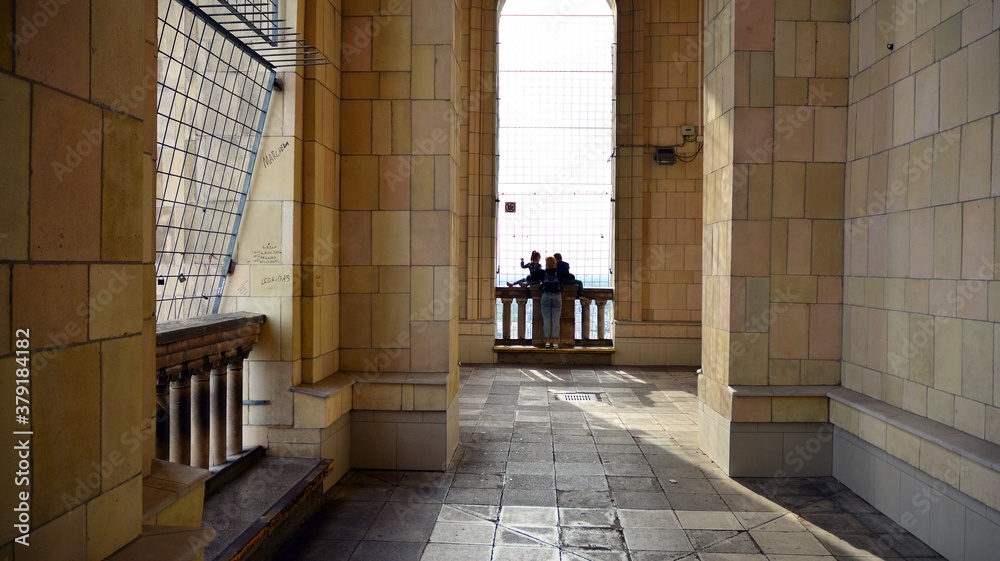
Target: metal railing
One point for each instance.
(199, 386)
(583, 322)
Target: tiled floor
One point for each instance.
(540, 479)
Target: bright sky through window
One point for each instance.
(556, 135)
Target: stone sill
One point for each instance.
(781, 391)
(327, 387)
(166, 483)
(180, 329)
(602, 350)
(414, 378)
(965, 445)
(335, 383)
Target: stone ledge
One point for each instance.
(327, 387)
(964, 444)
(180, 329)
(781, 391)
(597, 350)
(320, 404)
(167, 483)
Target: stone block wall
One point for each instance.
(920, 320)
(922, 186)
(77, 87)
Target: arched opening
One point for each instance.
(556, 114)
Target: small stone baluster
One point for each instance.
(506, 319)
(601, 334)
(162, 451)
(584, 319)
(217, 430)
(522, 318)
(180, 419)
(234, 403)
(200, 417)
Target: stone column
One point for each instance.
(200, 418)
(234, 404)
(776, 118)
(180, 418)
(217, 412)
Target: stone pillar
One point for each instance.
(776, 119)
(399, 196)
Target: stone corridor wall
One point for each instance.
(76, 269)
(921, 305)
(921, 299)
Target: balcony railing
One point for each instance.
(590, 313)
(199, 386)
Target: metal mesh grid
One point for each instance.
(256, 16)
(212, 93)
(556, 137)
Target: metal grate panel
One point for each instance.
(212, 98)
(577, 397)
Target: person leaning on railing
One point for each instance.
(550, 280)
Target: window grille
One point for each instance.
(212, 97)
(555, 140)
(216, 71)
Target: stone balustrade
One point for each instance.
(514, 301)
(199, 386)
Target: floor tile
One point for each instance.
(387, 551)
(797, 543)
(588, 517)
(657, 539)
(456, 552)
(504, 553)
(528, 516)
(708, 520)
(463, 533)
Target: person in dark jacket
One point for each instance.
(570, 278)
(533, 266)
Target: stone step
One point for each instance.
(173, 494)
(264, 506)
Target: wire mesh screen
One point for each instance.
(212, 93)
(556, 137)
(258, 17)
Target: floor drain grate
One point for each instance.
(577, 397)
